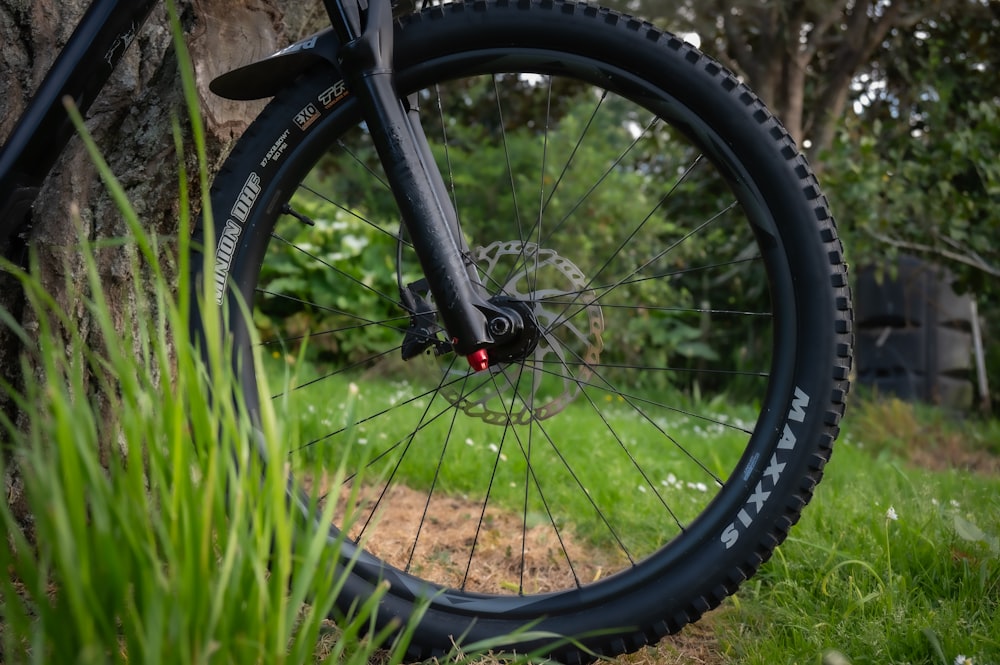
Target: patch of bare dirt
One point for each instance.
(452, 524)
(697, 644)
(448, 529)
(951, 452)
(936, 445)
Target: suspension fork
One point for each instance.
(366, 56)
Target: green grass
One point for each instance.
(174, 554)
(921, 588)
(570, 451)
(157, 537)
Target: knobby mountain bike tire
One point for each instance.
(623, 474)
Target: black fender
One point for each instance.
(266, 77)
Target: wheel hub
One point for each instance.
(540, 368)
(517, 334)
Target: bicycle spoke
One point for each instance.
(348, 277)
(646, 368)
(378, 414)
(664, 275)
(434, 482)
(593, 187)
(600, 514)
(659, 405)
(485, 502)
(519, 228)
(535, 248)
(449, 168)
(576, 147)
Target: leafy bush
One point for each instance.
(322, 266)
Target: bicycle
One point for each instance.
(484, 338)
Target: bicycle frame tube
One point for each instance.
(80, 72)
(366, 58)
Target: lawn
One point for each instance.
(619, 475)
(896, 560)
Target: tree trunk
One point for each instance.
(131, 122)
(790, 49)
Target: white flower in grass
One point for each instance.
(834, 657)
(962, 659)
(470, 442)
(955, 504)
(891, 514)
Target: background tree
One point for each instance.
(914, 165)
(801, 56)
(895, 100)
(896, 103)
(915, 161)
(132, 123)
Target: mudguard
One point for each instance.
(266, 77)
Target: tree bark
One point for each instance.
(132, 123)
(801, 56)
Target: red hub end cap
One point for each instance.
(478, 360)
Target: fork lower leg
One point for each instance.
(416, 183)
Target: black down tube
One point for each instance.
(80, 72)
(414, 178)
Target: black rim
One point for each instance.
(779, 383)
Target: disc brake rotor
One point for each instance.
(571, 323)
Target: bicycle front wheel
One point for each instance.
(628, 469)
